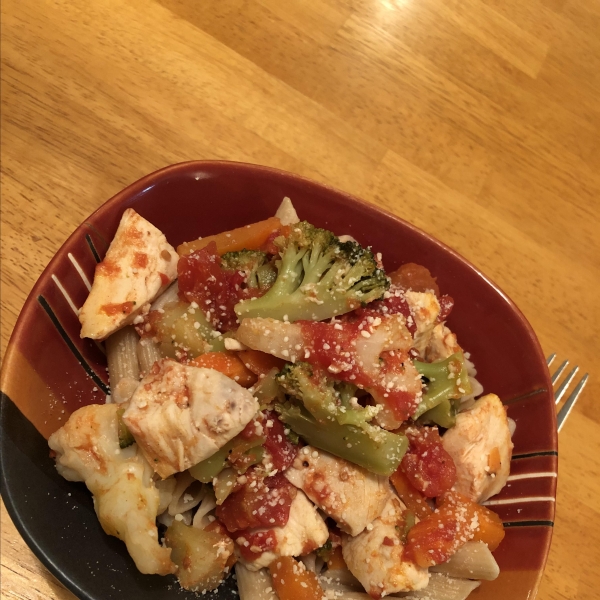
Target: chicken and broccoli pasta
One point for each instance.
(283, 407)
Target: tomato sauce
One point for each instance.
(124, 308)
(334, 350)
(258, 503)
(426, 464)
(215, 290)
(253, 544)
(282, 451)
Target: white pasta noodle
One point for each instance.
(148, 353)
(171, 294)
(208, 503)
(473, 561)
(165, 488)
(254, 585)
(123, 366)
(186, 495)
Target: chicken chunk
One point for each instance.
(180, 415)
(442, 344)
(348, 494)
(424, 309)
(481, 448)
(125, 497)
(139, 265)
(304, 532)
(375, 556)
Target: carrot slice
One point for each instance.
(259, 362)
(228, 364)
(292, 581)
(413, 499)
(336, 560)
(250, 237)
(457, 520)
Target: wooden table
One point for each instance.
(476, 120)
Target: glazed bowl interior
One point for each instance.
(49, 372)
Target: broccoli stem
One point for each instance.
(448, 379)
(443, 415)
(374, 449)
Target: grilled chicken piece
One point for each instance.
(139, 265)
(304, 532)
(424, 309)
(125, 497)
(481, 448)
(180, 415)
(442, 344)
(348, 494)
(375, 556)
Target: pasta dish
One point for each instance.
(286, 412)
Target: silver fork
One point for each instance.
(561, 390)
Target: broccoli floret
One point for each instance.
(328, 421)
(446, 380)
(325, 399)
(318, 277)
(256, 266)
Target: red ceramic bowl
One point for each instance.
(49, 371)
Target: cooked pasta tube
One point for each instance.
(254, 585)
(165, 488)
(171, 294)
(148, 353)
(123, 366)
(474, 561)
(442, 588)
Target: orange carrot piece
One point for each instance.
(259, 362)
(228, 364)
(292, 581)
(457, 520)
(250, 237)
(414, 500)
(336, 560)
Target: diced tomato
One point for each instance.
(427, 465)
(269, 247)
(259, 503)
(253, 544)
(415, 277)
(282, 451)
(215, 290)
(446, 306)
(334, 349)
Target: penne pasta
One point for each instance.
(123, 365)
(148, 353)
(473, 561)
(254, 585)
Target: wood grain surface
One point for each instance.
(476, 120)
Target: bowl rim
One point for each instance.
(180, 168)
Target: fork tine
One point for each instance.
(550, 358)
(563, 413)
(559, 371)
(562, 388)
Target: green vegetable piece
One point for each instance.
(206, 470)
(201, 556)
(318, 277)
(267, 389)
(370, 447)
(223, 484)
(444, 415)
(321, 399)
(176, 330)
(125, 436)
(448, 379)
(258, 271)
